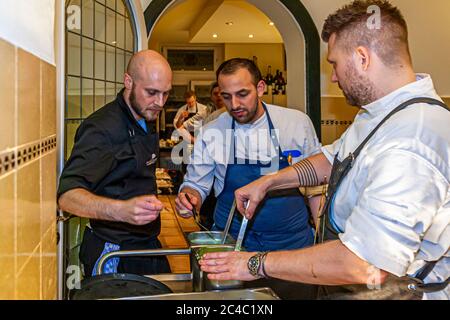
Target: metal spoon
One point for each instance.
(197, 217)
(241, 234)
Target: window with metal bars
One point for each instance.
(97, 55)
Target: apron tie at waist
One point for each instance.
(111, 265)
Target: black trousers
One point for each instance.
(207, 210)
(92, 247)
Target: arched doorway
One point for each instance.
(302, 43)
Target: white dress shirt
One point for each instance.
(212, 149)
(393, 207)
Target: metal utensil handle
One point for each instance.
(196, 216)
(241, 234)
(194, 211)
(229, 220)
(242, 231)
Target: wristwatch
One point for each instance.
(254, 264)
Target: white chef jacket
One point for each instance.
(393, 207)
(214, 115)
(212, 149)
(195, 122)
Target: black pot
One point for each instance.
(117, 285)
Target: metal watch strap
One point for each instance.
(262, 269)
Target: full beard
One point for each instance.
(136, 107)
(139, 109)
(250, 117)
(360, 91)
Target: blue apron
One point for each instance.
(280, 221)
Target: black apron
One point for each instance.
(189, 146)
(404, 288)
(281, 220)
(133, 174)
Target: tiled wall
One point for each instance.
(447, 101)
(27, 176)
(337, 115)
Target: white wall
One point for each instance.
(29, 24)
(269, 54)
(295, 50)
(138, 11)
(429, 38)
(145, 3)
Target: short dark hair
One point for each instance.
(350, 24)
(189, 94)
(231, 66)
(213, 86)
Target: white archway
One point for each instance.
(294, 42)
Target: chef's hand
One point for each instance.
(227, 265)
(139, 210)
(253, 192)
(184, 206)
(185, 114)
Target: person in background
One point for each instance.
(385, 228)
(190, 117)
(110, 174)
(218, 106)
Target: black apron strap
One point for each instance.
(426, 270)
(419, 285)
(399, 108)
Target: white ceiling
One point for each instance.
(195, 21)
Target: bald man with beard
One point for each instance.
(110, 175)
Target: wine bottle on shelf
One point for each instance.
(269, 76)
(275, 87)
(281, 83)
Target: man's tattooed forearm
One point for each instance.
(307, 176)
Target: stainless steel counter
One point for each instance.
(181, 285)
(177, 282)
(240, 294)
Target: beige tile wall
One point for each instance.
(336, 116)
(27, 176)
(336, 109)
(7, 95)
